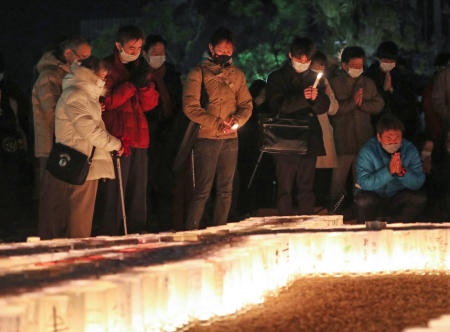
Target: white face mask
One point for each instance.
(391, 148)
(100, 83)
(300, 67)
(156, 61)
(355, 73)
(125, 57)
(387, 66)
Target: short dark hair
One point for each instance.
(352, 52)
(152, 40)
(68, 43)
(95, 64)
(256, 88)
(319, 57)
(129, 32)
(222, 34)
(389, 122)
(387, 50)
(302, 46)
(442, 59)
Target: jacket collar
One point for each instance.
(50, 60)
(83, 78)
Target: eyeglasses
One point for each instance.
(78, 55)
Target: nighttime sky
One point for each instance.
(28, 26)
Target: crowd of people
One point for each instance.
(178, 154)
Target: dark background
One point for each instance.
(264, 27)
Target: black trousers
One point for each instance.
(406, 205)
(214, 159)
(298, 169)
(108, 208)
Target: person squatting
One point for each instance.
(186, 150)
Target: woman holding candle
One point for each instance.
(228, 107)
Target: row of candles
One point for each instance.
(168, 296)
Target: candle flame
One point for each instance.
(168, 296)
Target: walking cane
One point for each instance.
(255, 169)
(193, 168)
(122, 199)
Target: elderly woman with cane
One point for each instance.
(79, 127)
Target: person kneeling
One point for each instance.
(389, 176)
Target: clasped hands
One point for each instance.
(229, 126)
(358, 97)
(395, 165)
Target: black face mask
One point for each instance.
(221, 59)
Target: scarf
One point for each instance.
(166, 104)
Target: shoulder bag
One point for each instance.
(68, 164)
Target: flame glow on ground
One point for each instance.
(168, 296)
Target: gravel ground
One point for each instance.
(376, 302)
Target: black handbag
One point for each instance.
(287, 133)
(68, 164)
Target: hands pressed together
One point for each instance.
(358, 97)
(395, 165)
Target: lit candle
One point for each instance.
(319, 75)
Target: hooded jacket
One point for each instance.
(125, 104)
(228, 96)
(352, 123)
(46, 91)
(79, 121)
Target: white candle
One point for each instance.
(319, 75)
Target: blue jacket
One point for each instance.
(372, 169)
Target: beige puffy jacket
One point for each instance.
(228, 96)
(46, 91)
(79, 121)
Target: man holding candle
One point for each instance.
(290, 91)
(358, 100)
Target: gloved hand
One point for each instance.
(140, 75)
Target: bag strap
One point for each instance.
(92, 155)
(204, 97)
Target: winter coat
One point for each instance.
(46, 91)
(441, 96)
(401, 101)
(372, 169)
(330, 158)
(228, 96)
(79, 121)
(125, 104)
(351, 123)
(285, 95)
